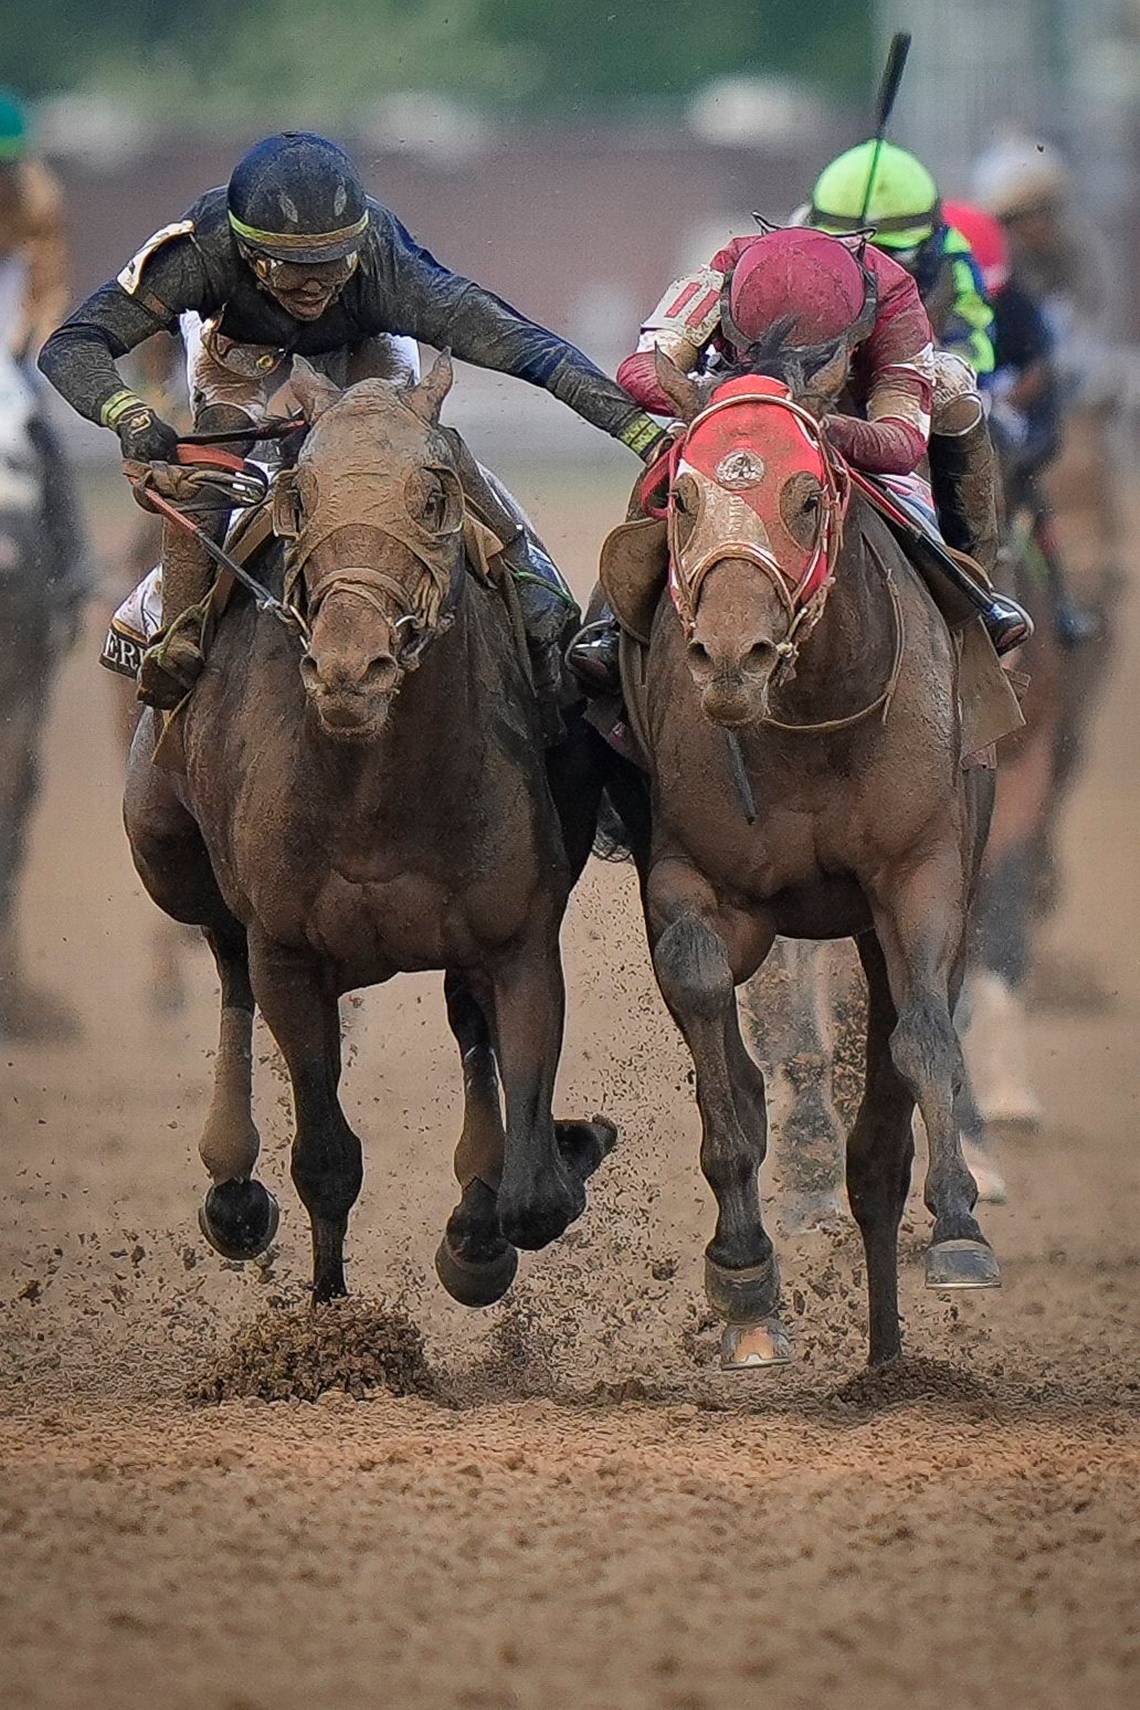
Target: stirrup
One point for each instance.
(1008, 625)
(593, 657)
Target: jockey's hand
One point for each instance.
(145, 437)
(657, 447)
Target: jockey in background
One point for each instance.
(293, 257)
(34, 293)
(908, 221)
(1060, 257)
(828, 288)
(1025, 404)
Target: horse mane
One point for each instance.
(794, 365)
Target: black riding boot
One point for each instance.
(174, 660)
(963, 474)
(548, 610)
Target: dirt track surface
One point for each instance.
(573, 1506)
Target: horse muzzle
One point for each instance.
(352, 703)
(735, 690)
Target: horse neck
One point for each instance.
(846, 660)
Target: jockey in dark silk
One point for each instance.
(294, 258)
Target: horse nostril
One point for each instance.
(699, 654)
(759, 656)
(380, 672)
(309, 670)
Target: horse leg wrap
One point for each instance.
(745, 1296)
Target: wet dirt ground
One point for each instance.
(571, 1505)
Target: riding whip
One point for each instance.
(888, 93)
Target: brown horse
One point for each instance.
(807, 643)
(377, 804)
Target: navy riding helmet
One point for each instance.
(298, 197)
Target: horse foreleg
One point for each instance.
(541, 1192)
(474, 1263)
(920, 916)
(880, 1150)
(239, 1217)
(301, 1011)
(694, 971)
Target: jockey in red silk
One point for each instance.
(892, 374)
(826, 288)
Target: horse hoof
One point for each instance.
(585, 1145)
(743, 1297)
(962, 1264)
(989, 1179)
(743, 1346)
(239, 1219)
(475, 1284)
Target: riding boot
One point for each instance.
(546, 605)
(547, 609)
(1074, 624)
(174, 660)
(593, 655)
(963, 475)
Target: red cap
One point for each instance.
(800, 273)
(986, 237)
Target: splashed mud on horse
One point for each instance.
(797, 630)
(386, 807)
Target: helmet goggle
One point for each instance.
(291, 275)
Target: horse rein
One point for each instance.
(803, 611)
(218, 480)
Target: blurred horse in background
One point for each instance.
(40, 605)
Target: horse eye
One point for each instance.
(810, 504)
(433, 508)
(680, 503)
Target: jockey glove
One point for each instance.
(145, 437)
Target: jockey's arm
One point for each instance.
(967, 327)
(446, 310)
(894, 377)
(683, 325)
(148, 297)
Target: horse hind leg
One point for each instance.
(742, 1280)
(474, 1262)
(789, 1010)
(880, 1150)
(921, 925)
(301, 1011)
(239, 1216)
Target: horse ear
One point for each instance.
(426, 398)
(314, 392)
(822, 387)
(681, 391)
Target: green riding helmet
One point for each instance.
(903, 206)
(13, 126)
